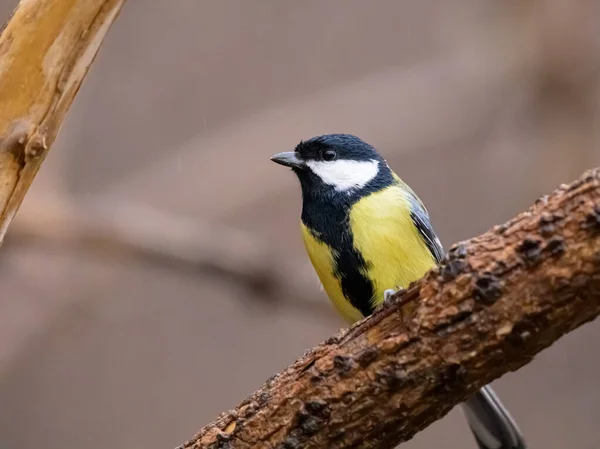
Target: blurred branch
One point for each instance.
(46, 50)
(495, 302)
(107, 225)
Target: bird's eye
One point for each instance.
(328, 155)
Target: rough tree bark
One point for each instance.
(495, 302)
(46, 50)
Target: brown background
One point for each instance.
(480, 105)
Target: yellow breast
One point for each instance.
(386, 237)
(388, 240)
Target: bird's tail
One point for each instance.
(490, 422)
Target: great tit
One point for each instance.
(367, 233)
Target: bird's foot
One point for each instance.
(388, 295)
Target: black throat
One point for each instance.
(325, 212)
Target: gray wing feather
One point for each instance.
(420, 218)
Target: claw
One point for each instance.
(387, 296)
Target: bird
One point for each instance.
(368, 235)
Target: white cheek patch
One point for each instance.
(345, 175)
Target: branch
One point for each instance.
(495, 302)
(112, 227)
(46, 50)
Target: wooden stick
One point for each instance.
(46, 50)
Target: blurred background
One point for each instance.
(155, 275)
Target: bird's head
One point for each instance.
(336, 163)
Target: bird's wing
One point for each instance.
(420, 218)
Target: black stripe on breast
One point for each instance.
(355, 286)
(328, 221)
(349, 263)
(326, 214)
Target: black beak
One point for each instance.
(288, 159)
